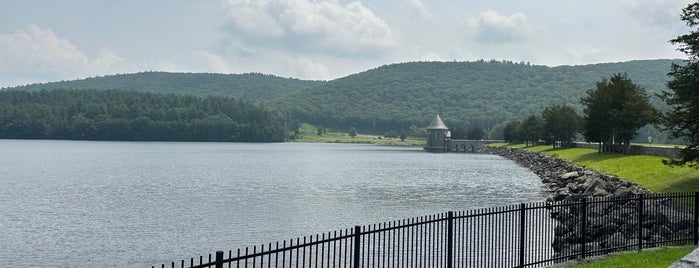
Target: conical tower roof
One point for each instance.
(437, 123)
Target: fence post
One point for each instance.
(522, 222)
(357, 242)
(696, 218)
(583, 229)
(219, 259)
(640, 222)
(450, 239)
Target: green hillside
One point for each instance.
(253, 87)
(393, 97)
(484, 93)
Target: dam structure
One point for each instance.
(439, 140)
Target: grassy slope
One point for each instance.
(645, 170)
(309, 133)
(656, 258)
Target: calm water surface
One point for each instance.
(131, 204)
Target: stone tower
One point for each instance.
(438, 136)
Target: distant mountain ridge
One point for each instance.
(485, 93)
(395, 96)
(252, 87)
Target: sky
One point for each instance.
(52, 40)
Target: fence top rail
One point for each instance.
(398, 225)
(284, 247)
(489, 211)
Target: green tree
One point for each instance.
(403, 135)
(459, 133)
(419, 132)
(511, 132)
(497, 132)
(475, 133)
(682, 120)
(320, 130)
(353, 132)
(561, 123)
(531, 129)
(614, 111)
(391, 134)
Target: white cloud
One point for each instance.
(490, 26)
(213, 62)
(297, 66)
(311, 25)
(105, 60)
(40, 52)
(254, 16)
(418, 7)
(280, 63)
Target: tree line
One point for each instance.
(613, 112)
(134, 116)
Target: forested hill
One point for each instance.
(484, 93)
(134, 116)
(253, 87)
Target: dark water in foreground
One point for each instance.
(131, 204)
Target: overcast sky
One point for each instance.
(48, 40)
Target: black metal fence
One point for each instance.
(524, 235)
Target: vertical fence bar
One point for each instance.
(357, 242)
(450, 239)
(583, 229)
(695, 230)
(219, 259)
(345, 251)
(640, 222)
(522, 215)
(384, 251)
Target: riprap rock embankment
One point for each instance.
(609, 225)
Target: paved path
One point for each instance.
(691, 260)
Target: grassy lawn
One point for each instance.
(651, 258)
(309, 133)
(645, 170)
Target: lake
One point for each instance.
(137, 204)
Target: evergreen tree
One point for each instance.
(683, 120)
(614, 111)
(459, 133)
(353, 132)
(414, 131)
(391, 134)
(561, 123)
(475, 133)
(403, 135)
(531, 129)
(511, 132)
